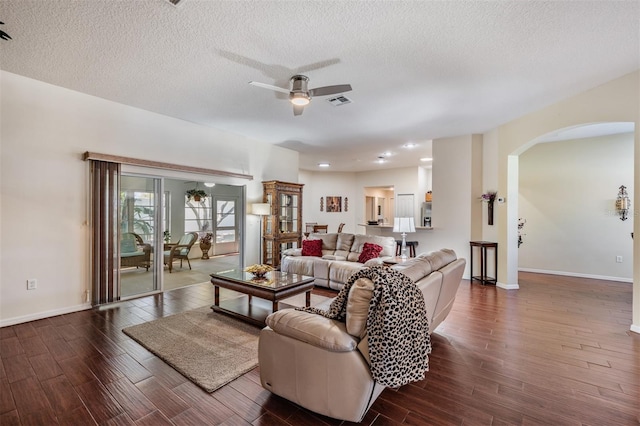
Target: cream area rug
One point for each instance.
(208, 348)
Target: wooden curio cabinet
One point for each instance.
(283, 229)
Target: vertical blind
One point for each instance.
(105, 192)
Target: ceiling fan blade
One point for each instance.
(329, 90)
(270, 87)
(297, 109)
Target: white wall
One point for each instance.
(454, 199)
(322, 184)
(490, 181)
(567, 196)
(44, 232)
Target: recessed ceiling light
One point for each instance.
(386, 154)
(426, 159)
(324, 165)
(209, 185)
(409, 145)
(380, 160)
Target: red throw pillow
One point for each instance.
(369, 251)
(312, 248)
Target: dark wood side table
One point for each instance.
(484, 277)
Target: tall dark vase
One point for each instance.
(205, 250)
(490, 212)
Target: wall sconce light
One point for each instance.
(623, 202)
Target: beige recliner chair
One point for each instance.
(315, 362)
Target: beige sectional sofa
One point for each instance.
(315, 361)
(340, 253)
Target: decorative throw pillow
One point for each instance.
(369, 251)
(312, 248)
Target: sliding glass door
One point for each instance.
(141, 230)
(226, 226)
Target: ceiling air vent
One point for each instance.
(339, 100)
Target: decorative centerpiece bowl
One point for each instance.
(259, 270)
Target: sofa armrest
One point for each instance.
(292, 252)
(313, 329)
(374, 262)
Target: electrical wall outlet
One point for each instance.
(618, 259)
(32, 284)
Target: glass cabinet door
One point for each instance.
(289, 205)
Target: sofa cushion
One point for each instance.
(298, 265)
(415, 268)
(388, 245)
(358, 307)
(328, 241)
(340, 271)
(369, 251)
(320, 268)
(344, 243)
(312, 248)
(333, 257)
(439, 258)
(313, 329)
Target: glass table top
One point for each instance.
(274, 279)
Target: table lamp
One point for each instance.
(404, 225)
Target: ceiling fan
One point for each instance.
(300, 95)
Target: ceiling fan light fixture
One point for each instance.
(300, 99)
(300, 95)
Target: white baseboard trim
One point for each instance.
(635, 328)
(42, 315)
(577, 274)
(507, 286)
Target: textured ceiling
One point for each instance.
(419, 69)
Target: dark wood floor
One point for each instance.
(556, 352)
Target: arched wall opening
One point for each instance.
(564, 184)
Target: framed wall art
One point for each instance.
(334, 204)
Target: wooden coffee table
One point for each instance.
(274, 287)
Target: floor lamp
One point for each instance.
(262, 210)
(404, 225)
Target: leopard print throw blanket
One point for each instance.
(397, 325)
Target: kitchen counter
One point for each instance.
(389, 226)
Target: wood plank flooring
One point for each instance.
(556, 352)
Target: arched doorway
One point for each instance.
(567, 184)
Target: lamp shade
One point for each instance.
(403, 224)
(261, 209)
